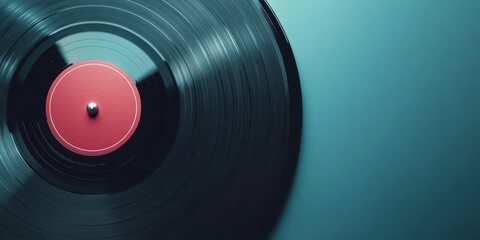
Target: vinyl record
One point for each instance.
(145, 119)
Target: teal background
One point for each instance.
(391, 139)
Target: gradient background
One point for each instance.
(391, 140)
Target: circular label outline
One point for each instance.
(106, 150)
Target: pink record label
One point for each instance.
(93, 108)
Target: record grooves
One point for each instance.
(213, 150)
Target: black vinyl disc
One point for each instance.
(215, 150)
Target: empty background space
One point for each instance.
(391, 137)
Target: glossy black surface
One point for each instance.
(216, 148)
